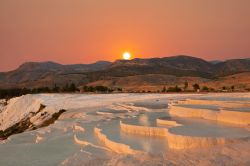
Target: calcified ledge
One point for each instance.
(80, 142)
(85, 143)
(161, 121)
(233, 117)
(77, 127)
(143, 130)
(175, 141)
(231, 104)
(114, 146)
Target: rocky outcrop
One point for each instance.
(26, 113)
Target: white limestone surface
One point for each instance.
(72, 139)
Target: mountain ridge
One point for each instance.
(35, 74)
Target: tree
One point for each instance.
(85, 88)
(164, 89)
(72, 87)
(91, 89)
(66, 88)
(55, 89)
(185, 85)
(174, 89)
(102, 88)
(247, 89)
(205, 88)
(233, 88)
(196, 87)
(119, 89)
(9, 93)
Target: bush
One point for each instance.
(185, 85)
(119, 89)
(164, 89)
(70, 88)
(15, 92)
(174, 89)
(55, 89)
(232, 88)
(205, 88)
(224, 88)
(98, 89)
(196, 87)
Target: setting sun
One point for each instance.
(126, 56)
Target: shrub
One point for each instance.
(205, 88)
(174, 89)
(196, 87)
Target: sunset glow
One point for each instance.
(126, 56)
(87, 31)
(110, 77)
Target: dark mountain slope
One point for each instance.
(233, 66)
(36, 74)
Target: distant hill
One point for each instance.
(136, 72)
(37, 74)
(177, 66)
(215, 61)
(232, 67)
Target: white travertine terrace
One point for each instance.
(77, 127)
(180, 111)
(233, 117)
(160, 121)
(175, 141)
(143, 130)
(85, 143)
(114, 146)
(231, 104)
(103, 113)
(170, 139)
(80, 142)
(29, 104)
(39, 138)
(187, 142)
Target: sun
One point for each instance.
(126, 56)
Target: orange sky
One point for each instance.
(84, 31)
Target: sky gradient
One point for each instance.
(85, 31)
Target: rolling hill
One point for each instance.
(135, 73)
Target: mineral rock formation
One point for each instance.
(233, 117)
(114, 146)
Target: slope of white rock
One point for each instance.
(105, 129)
(29, 106)
(17, 109)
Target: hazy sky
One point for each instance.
(84, 31)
